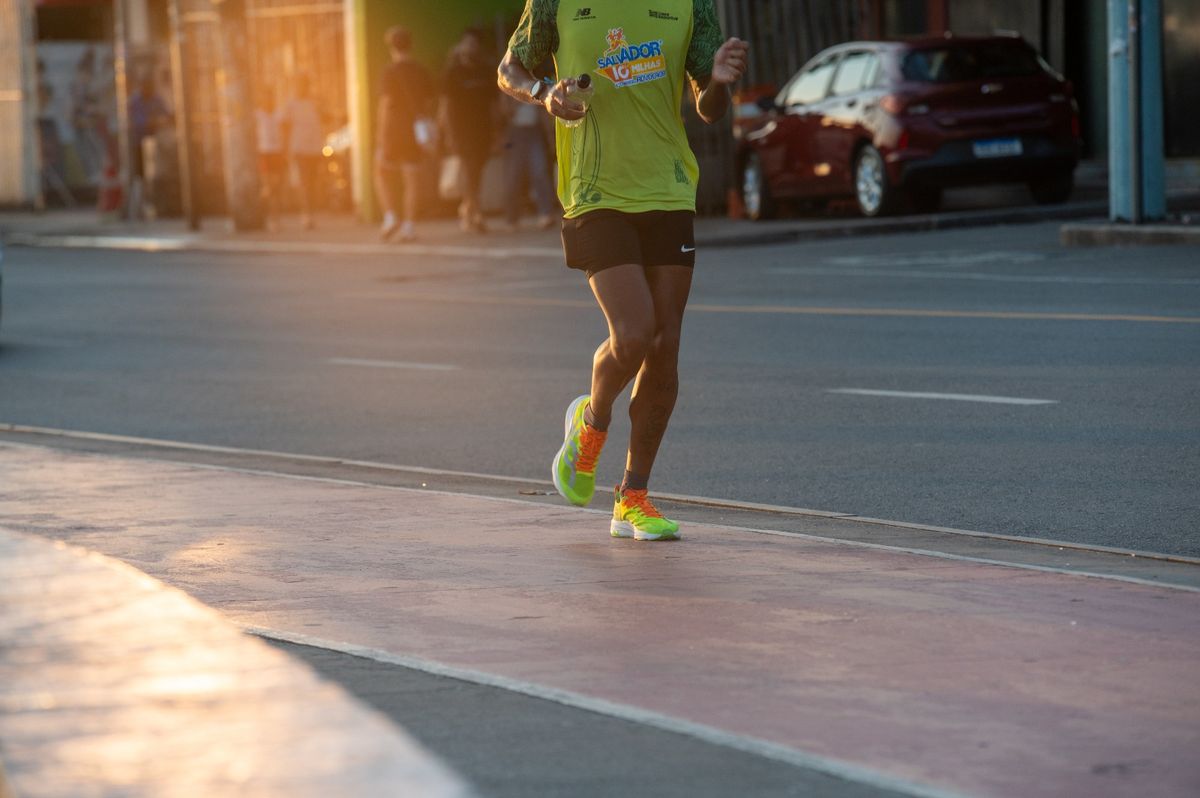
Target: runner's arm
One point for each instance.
(713, 63)
(712, 91)
(535, 38)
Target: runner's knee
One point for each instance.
(665, 345)
(630, 344)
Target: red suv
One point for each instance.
(893, 123)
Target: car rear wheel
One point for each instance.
(1052, 191)
(872, 191)
(756, 197)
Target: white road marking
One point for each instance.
(945, 257)
(957, 397)
(389, 364)
(699, 731)
(497, 300)
(919, 274)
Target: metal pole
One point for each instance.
(1119, 146)
(1135, 111)
(1152, 166)
(121, 78)
(182, 119)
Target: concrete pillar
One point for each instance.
(358, 100)
(242, 191)
(20, 174)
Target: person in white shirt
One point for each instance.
(271, 163)
(302, 133)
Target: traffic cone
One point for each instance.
(111, 195)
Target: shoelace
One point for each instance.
(641, 500)
(591, 441)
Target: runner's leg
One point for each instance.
(625, 297)
(657, 384)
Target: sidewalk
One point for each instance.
(346, 235)
(113, 684)
(930, 674)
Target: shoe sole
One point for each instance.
(624, 529)
(562, 490)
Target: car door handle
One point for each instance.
(851, 103)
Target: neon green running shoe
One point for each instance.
(574, 467)
(635, 516)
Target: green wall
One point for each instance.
(436, 25)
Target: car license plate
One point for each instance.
(996, 148)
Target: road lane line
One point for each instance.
(160, 443)
(927, 274)
(710, 734)
(957, 397)
(787, 310)
(389, 364)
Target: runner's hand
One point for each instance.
(557, 103)
(729, 64)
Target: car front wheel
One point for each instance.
(871, 189)
(756, 197)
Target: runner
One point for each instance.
(627, 181)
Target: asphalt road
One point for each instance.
(467, 364)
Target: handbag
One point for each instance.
(449, 180)
(425, 132)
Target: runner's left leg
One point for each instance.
(657, 384)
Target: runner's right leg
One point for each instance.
(624, 296)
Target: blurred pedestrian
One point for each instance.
(405, 99)
(469, 109)
(301, 123)
(272, 165)
(525, 165)
(147, 112)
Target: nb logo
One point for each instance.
(583, 13)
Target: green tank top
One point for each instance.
(631, 153)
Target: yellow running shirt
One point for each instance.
(631, 153)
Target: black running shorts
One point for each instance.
(599, 240)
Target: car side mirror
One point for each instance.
(767, 103)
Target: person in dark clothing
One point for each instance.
(406, 94)
(470, 105)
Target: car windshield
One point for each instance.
(977, 62)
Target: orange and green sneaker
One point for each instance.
(574, 467)
(635, 516)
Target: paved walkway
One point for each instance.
(343, 234)
(927, 675)
(112, 684)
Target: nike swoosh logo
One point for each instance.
(687, 249)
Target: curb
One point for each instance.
(678, 498)
(1102, 234)
(841, 228)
